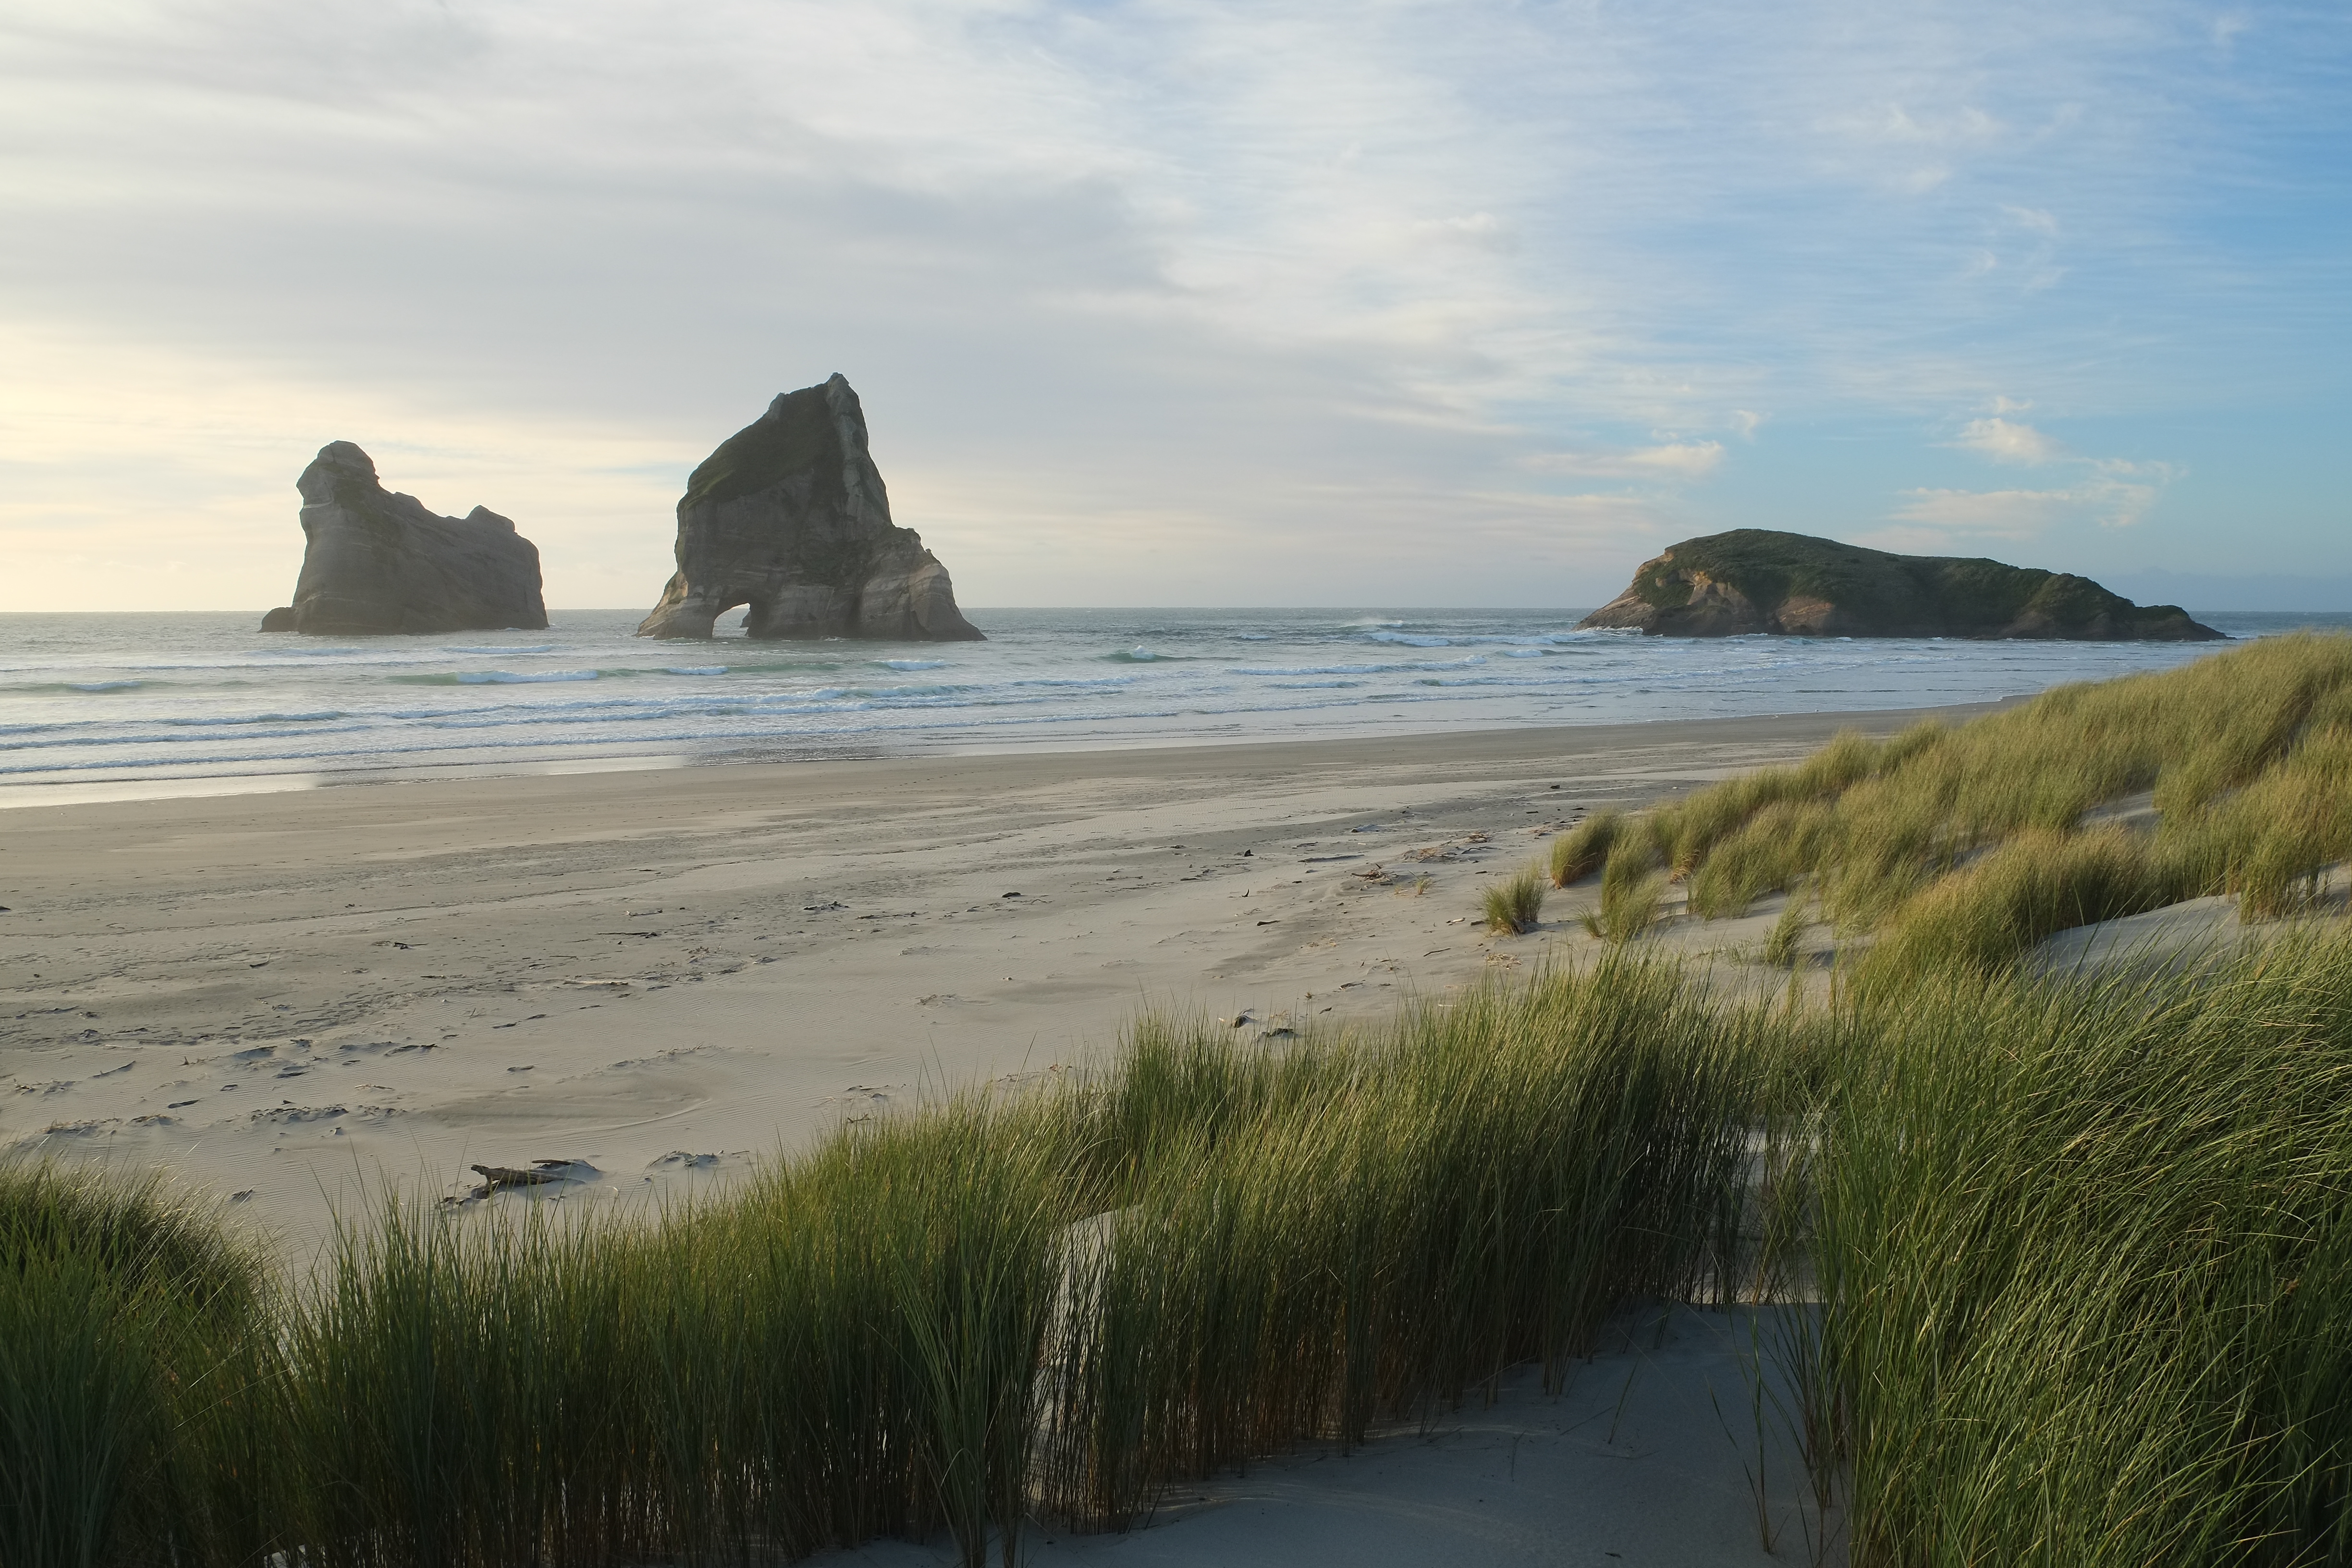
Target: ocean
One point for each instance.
(125, 705)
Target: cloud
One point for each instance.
(1670, 460)
(2010, 441)
(1993, 514)
(2113, 492)
(2118, 495)
(1481, 229)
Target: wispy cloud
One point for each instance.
(2009, 441)
(1668, 461)
(2112, 492)
(2115, 495)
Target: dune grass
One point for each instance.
(1515, 907)
(1789, 928)
(1584, 848)
(1299, 1244)
(2085, 1252)
(1633, 886)
(2245, 759)
(134, 1370)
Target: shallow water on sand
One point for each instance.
(120, 705)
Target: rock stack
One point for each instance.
(789, 518)
(376, 560)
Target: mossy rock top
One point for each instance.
(1754, 580)
(795, 434)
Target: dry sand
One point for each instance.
(1650, 1458)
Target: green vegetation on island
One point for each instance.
(1754, 580)
(790, 438)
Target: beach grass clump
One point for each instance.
(1373, 1228)
(2245, 758)
(1766, 853)
(950, 1227)
(1789, 928)
(1515, 907)
(2085, 1250)
(843, 1351)
(2269, 841)
(479, 1390)
(2036, 884)
(1632, 889)
(1584, 848)
(1706, 817)
(134, 1372)
(1051, 1304)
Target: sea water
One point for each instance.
(110, 706)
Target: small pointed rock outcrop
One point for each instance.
(788, 517)
(376, 560)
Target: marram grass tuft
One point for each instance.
(1515, 907)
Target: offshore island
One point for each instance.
(1755, 580)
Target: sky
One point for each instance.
(1180, 302)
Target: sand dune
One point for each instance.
(1652, 1455)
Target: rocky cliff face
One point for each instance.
(376, 560)
(1753, 580)
(788, 517)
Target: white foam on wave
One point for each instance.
(905, 664)
(323, 716)
(697, 669)
(1466, 662)
(509, 677)
(822, 694)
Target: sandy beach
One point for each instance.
(663, 977)
(666, 976)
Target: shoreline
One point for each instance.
(16, 796)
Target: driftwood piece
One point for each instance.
(498, 1176)
(543, 1173)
